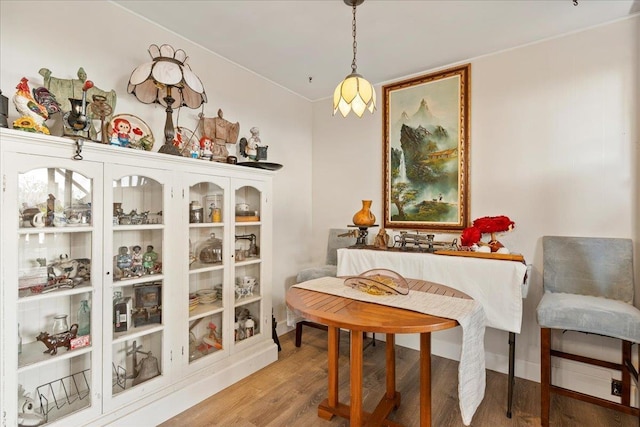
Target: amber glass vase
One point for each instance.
(364, 216)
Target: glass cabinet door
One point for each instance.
(137, 297)
(248, 286)
(208, 256)
(56, 293)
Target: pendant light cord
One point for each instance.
(355, 44)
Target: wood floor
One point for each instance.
(287, 393)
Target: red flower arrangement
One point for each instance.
(470, 236)
(488, 224)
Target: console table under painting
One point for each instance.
(496, 284)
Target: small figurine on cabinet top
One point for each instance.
(253, 142)
(194, 151)
(221, 132)
(33, 114)
(253, 148)
(47, 100)
(149, 260)
(205, 148)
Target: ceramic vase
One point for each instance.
(364, 217)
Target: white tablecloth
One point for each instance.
(495, 284)
(471, 370)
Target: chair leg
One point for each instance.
(626, 375)
(302, 323)
(545, 375)
(511, 377)
(298, 334)
(627, 365)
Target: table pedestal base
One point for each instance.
(331, 406)
(377, 418)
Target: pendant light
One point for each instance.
(354, 92)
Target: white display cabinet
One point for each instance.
(249, 311)
(135, 285)
(209, 260)
(168, 253)
(52, 242)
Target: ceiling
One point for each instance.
(306, 45)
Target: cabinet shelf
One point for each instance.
(199, 267)
(249, 261)
(247, 223)
(203, 310)
(139, 227)
(31, 297)
(206, 225)
(55, 230)
(239, 302)
(136, 332)
(33, 356)
(138, 280)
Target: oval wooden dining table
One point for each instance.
(359, 316)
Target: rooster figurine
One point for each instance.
(33, 114)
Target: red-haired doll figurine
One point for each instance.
(206, 145)
(120, 134)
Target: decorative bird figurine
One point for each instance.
(47, 100)
(33, 114)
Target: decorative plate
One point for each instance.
(127, 130)
(206, 296)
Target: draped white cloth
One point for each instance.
(469, 313)
(497, 285)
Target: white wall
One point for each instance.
(554, 136)
(554, 146)
(64, 36)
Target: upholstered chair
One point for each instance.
(338, 238)
(588, 287)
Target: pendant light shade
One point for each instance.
(354, 93)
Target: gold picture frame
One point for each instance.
(426, 151)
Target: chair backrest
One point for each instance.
(335, 242)
(593, 266)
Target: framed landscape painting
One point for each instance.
(426, 151)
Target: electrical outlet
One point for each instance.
(616, 387)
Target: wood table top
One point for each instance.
(364, 316)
